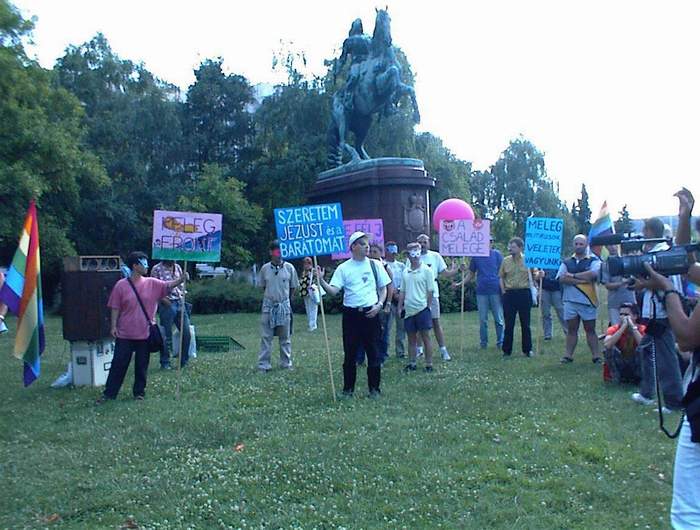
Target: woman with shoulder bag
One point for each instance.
(133, 301)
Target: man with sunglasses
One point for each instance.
(130, 298)
(279, 280)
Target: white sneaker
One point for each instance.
(665, 410)
(3, 327)
(445, 354)
(638, 398)
(419, 352)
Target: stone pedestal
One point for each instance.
(393, 189)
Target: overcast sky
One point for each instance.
(608, 90)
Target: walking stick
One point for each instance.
(461, 308)
(539, 320)
(182, 331)
(325, 331)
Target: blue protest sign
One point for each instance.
(543, 242)
(312, 230)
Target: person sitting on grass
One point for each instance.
(621, 342)
(417, 290)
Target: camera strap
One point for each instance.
(656, 380)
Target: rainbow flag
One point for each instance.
(22, 295)
(602, 226)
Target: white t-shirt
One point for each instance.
(434, 261)
(651, 301)
(356, 280)
(397, 269)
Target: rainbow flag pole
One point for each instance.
(602, 226)
(22, 295)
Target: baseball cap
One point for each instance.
(355, 236)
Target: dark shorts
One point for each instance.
(422, 321)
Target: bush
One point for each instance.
(218, 295)
(450, 296)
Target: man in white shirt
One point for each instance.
(363, 282)
(438, 266)
(660, 336)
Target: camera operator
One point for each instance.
(685, 508)
(659, 336)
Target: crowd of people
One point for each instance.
(648, 342)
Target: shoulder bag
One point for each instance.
(155, 339)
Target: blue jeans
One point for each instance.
(169, 315)
(484, 303)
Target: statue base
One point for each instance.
(395, 190)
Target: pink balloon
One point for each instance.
(450, 210)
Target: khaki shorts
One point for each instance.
(583, 311)
(435, 308)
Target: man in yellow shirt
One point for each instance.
(517, 299)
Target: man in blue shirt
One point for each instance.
(488, 293)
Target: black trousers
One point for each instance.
(360, 331)
(517, 301)
(123, 348)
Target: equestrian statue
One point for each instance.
(373, 86)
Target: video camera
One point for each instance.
(675, 260)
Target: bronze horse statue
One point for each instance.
(374, 86)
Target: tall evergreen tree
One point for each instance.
(582, 212)
(217, 118)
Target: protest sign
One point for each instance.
(543, 242)
(312, 230)
(189, 236)
(372, 227)
(465, 237)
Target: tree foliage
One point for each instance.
(214, 191)
(217, 121)
(101, 142)
(42, 151)
(581, 213)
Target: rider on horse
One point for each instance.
(357, 45)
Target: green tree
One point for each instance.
(517, 183)
(287, 159)
(451, 174)
(581, 212)
(502, 228)
(214, 191)
(134, 125)
(42, 151)
(217, 121)
(623, 225)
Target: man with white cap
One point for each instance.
(363, 282)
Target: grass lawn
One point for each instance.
(480, 443)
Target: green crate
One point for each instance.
(218, 343)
